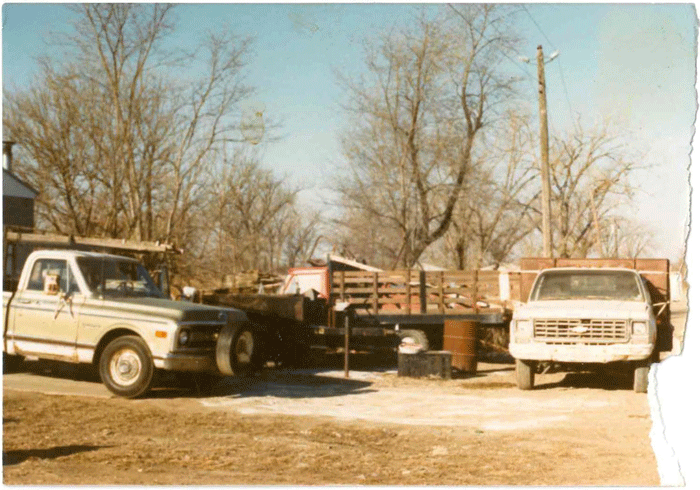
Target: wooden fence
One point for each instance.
(419, 292)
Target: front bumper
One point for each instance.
(539, 351)
(187, 362)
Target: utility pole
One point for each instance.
(596, 223)
(616, 241)
(544, 168)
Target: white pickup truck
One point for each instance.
(586, 316)
(102, 309)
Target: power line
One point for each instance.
(566, 94)
(538, 26)
(561, 71)
(503, 52)
(519, 65)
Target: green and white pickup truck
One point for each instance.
(83, 307)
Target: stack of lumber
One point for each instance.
(252, 282)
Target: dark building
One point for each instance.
(17, 196)
(17, 213)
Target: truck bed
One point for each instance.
(423, 297)
(295, 307)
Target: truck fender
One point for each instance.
(6, 301)
(115, 331)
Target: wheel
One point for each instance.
(239, 349)
(641, 377)
(11, 363)
(126, 367)
(524, 374)
(244, 348)
(417, 336)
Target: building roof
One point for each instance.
(503, 267)
(422, 266)
(15, 187)
(352, 263)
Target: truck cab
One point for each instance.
(578, 315)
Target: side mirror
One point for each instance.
(52, 284)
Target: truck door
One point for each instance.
(46, 323)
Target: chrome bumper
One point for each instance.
(187, 362)
(537, 351)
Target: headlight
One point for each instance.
(639, 328)
(523, 326)
(183, 337)
(523, 330)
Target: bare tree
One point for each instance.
(590, 174)
(362, 236)
(128, 127)
(48, 125)
(622, 236)
(432, 88)
(300, 233)
(495, 212)
(247, 216)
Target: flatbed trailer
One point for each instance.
(423, 297)
(380, 307)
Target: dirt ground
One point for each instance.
(313, 427)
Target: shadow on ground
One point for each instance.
(61, 370)
(600, 380)
(315, 381)
(290, 383)
(10, 458)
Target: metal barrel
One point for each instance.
(460, 338)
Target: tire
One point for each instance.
(641, 377)
(239, 349)
(418, 337)
(126, 367)
(11, 363)
(524, 374)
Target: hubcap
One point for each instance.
(125, 367)
(244, 348)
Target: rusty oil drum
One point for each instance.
(460, 338)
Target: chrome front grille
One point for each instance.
(581, 331)
(202, 335)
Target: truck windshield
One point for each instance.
(567, 285)
(118, 278)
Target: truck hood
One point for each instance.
(584, 309)
(171, 310)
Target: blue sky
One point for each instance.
(632, 63)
